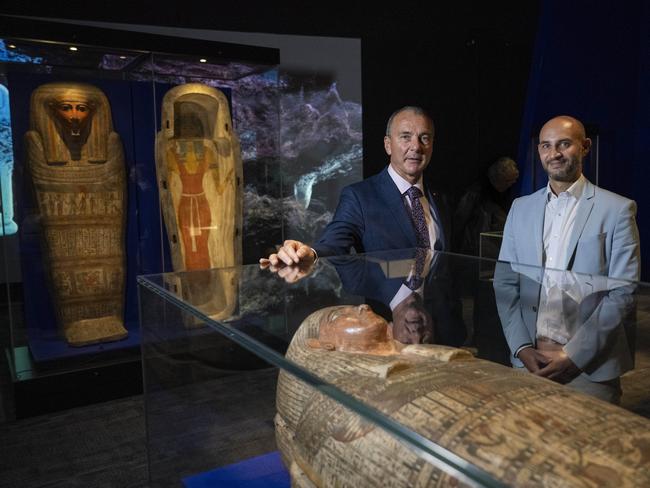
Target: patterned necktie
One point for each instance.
(415, 278)
(417, 213)
(414, 281)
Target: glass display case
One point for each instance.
(489, 247)
(302, 381)
(117, 151)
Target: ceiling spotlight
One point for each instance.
(12, 46)
(203, 60)
(72, 48)
(122, 57)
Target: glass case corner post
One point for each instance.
(151, 306)
(152, 314)
(7, 225)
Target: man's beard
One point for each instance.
(567, 173)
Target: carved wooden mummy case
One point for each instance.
(76, 163)
(523, 430)
(199, 172)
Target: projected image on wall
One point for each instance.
(8, 226)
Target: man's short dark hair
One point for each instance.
(407, 108)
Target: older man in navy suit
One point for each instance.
(389, 211)
(375, 214)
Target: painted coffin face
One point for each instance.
(356, 329)
(74, 115)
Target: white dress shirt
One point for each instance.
(560, 294)
(559, 219)
(403, 186)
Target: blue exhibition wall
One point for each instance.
(592, 61)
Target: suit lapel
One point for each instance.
(537, 218)
(391, 196)
(585, 205)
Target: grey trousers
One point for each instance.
(608, 391)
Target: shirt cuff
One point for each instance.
(523, 346)
(403, 293)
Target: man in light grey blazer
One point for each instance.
(569, 326)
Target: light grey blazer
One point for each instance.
(604, 242)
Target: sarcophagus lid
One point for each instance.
(77, 167)
(519, 429)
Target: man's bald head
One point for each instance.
(567, 122)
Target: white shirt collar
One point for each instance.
(401, 183)
(576, 190)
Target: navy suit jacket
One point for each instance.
(371, 216)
